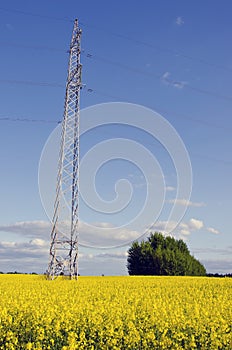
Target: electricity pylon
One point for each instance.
(63, 258)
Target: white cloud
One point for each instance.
(218, 266)
(83, 256)
(182, 229)
(24, 256)
(32, 255)
(184, 232)
(38, 242)
(178, 84)
(213, 250)
(97, 234)
(105, 235)
(31, 229)
(118, 255)
(31, 245)
(212, 230)
(195, 224)
(164, 226)
(179, 21)
(106, 225)
(165, 78)
(15, 255)
(170, 188)
(185, 202)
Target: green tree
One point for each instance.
(161, 255)
(134, 259)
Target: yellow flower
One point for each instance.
(115, 313)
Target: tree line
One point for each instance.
(163, 256)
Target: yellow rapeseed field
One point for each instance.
(115, 313)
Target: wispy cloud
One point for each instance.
(24, 256)
(185, 202)
(181, 230)
(165, 78)
(31, 229)
(105, 235)
(32, 244)
(32, 254)
(118, 255)
(212, 230)
(95, 234)
(170, 188)
(214, 250)
(218, 266)
(100, 234)
(179, 21)
(178, 84)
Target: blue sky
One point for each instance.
(173, 57)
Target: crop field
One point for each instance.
(115, 313)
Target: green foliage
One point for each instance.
(164, 256)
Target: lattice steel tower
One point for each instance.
(64, 236)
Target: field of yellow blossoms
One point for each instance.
(115, 313)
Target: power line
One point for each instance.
(119, 98)
(118, 64)
(101, 93)
(108, 95)
(105, 60)
(135, 70)
(121, 36)
(37, 15)
(29, 120)
(31, 82)
(157, 47)
(169, 81)
(132, 69)
(33, 47)
(105, 94)
(164, 110)
(121, 65)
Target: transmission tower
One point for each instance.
(63, 258)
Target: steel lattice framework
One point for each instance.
(64, 235)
